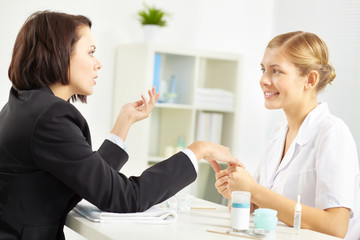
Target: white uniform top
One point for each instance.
(321, 165)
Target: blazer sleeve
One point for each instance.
(113, 155)
(60, 148)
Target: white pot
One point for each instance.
(151, 33)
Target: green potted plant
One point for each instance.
(152, 19)
(152, 16)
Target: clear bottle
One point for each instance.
(297, 216)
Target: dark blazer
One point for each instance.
(47, 166)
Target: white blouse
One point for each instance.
(321, 165)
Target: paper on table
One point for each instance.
(154, 215)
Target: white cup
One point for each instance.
(240, 210)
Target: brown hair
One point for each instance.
(42, 50)
(307, 52)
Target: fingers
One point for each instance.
(220, 153)
(215, 166)
(157, 97)
(147, 105)
(221, 181)
(221, 186)
(235, 161)
(230, 159)
(222, 189)
(138, 103)
(144, 100)
(239, 164)
(153, 95)
(232, 170)
(221, 174)
(152, 92)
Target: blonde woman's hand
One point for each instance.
(240, 179)
(221, 183)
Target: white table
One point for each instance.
(189, 225)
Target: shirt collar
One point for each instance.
(311, 123)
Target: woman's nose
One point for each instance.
(98, 64)
(265, 80)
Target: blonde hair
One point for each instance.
(307, 52)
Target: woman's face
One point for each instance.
(83, 64)
(281, 82)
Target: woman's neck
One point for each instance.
(296, 115)
(61, 91)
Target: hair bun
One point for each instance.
(331, 72)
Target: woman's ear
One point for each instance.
(312, 80)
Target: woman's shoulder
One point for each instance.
(35, 98)
(56, 114)
(48, 102)
(45, 105)
(326, 121)
(334, 124)
(334, 131)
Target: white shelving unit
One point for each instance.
(193, 69)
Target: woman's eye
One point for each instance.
(262, 70)
(92, 53)
(276, 71)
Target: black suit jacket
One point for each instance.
(47, 166)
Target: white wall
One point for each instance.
(227, 25)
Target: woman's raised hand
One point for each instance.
(134, 112)
(141, 109)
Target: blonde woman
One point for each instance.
(312, 153)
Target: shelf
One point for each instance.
(201, 83)
(167, 125)
(215, 109)
(198, 108)
(174, 106)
